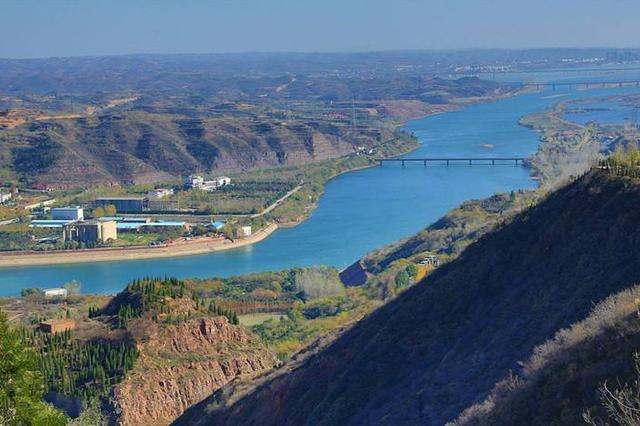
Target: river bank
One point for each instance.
(358, 212)
(202, 245)
(173, 249)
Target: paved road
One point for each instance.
(277, 202)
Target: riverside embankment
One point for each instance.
(359, 211)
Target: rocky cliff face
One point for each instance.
(181, 364)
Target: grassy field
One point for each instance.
(250, 320)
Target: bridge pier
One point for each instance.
(447, 163)
(493, 162)
(402, 163)
(425, 163)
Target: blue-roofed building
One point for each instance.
(122, 204)
(67, 213)
(217, 225)
(136, 220)
(125, 219)
(111, 218)
(165, 225)
(125, 226)
(56, 223)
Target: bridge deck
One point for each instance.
(586, 84)
(448, 160)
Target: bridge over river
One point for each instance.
(449, 160)
(586, 84)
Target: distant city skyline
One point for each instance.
(45, 28)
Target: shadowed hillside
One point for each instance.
(443, 344)
(563, 378)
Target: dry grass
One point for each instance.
(250, 320)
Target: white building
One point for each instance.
(44, 203)
(194, 181)
(55, 292)
(160, 193)
(245, 231)
(218, 182)
(198, 182)
(221, 181)
(67, 213)
(4, 197)
(430, 260)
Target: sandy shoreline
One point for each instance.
(180, 248)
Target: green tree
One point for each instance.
(72, 287)
(21, 384)
(402, 279)
(27, 292)
(227, 230)
(91, 415)
(110, 210)
(98, 212)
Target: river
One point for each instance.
(363, 210)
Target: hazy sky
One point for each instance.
(39, 28)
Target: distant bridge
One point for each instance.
(449, 160)
(591, 70)
(585, 84)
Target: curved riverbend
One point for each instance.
(360, 211)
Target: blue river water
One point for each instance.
(360, 211)
(604, 112)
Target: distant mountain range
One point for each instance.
(79, 122)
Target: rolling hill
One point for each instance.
(81, 122)
(141, 147)
(442, 345)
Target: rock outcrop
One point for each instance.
(179, 365)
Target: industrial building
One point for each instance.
(67, 213)
(90, 231)
(164, 225)
(46, 223)
(127, 224)
(123, 204)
